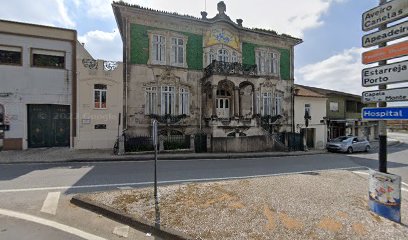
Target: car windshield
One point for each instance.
(340, 139)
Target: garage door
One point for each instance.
(48, 126)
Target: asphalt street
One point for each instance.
(34, 198)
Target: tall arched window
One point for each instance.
(234, 57)
(211, 56)
(223, 55)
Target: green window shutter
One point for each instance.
(194, 51)
(139, 44)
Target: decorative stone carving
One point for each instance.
(110, 66)
(90, 63)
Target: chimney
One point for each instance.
(239, 21)
(204, 15)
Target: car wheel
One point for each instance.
(367, 148)
(350, 150)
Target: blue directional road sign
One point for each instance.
(388, 113)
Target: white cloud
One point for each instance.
(340, 72)
(99, 8)
(289, 16)
(46, 12)
(103, 45)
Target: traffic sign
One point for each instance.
(385, 13)
(386, 113)
(386, 74)
(386, 35)
(384, 53)
(389, 95)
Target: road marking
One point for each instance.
(366, 173)
(121, 231)
(125, 188)
(50, 204)
(49, 223)
(165, 182)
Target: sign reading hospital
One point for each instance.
(387, 74)
(385, 13)
(388, 113)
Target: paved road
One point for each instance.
(43, 191)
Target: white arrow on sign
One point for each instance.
(387, 74)
(389, 95)
(386, 35)
(385, 13)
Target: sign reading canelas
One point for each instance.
(383, 14)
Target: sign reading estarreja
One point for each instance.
(383, 14)
(389, 52)
(387, 74)
(389, 34)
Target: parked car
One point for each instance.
(348, 144)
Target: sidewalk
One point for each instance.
(56, 155)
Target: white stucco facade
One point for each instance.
(24, 84)
(98, 126)
(317, 126)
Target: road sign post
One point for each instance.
(379, 17)
(156, 198)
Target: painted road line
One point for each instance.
(121, 231)
(166, 182)
(49, 223)
(50, 204)
(366, 173)
(125, 188)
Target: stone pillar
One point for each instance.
(236, 102)
(255, 105)
(192, 146)
(214, 100)
(121, 145)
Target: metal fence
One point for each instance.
(174, 142)
(138, 144)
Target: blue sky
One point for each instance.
(331, 29)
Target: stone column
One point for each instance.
(255, 105)
(214, 100)
(236, 102)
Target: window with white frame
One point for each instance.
(267, 104)
(100, 91)
(211, 56)
(167, 100)
(267, 62)
(334, 106)
(158, 49)
(278, 103)
(234, 57)
(151, 100)
(177, 51)
(307, 109)
(184, 106)
(223, 55)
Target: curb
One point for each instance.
(127, 219)
(132, 158)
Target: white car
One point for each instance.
(348, 144)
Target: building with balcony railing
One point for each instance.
(204, 75)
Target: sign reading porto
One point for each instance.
(387, 74)
(390, 95)
(388, 113)
(383, 14)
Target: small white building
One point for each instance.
(37, 84)
(315, 134)
(100, 101)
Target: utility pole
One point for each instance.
(382, 124)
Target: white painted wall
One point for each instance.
(30, 85)
(318, 111)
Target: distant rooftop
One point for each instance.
(327, 91)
